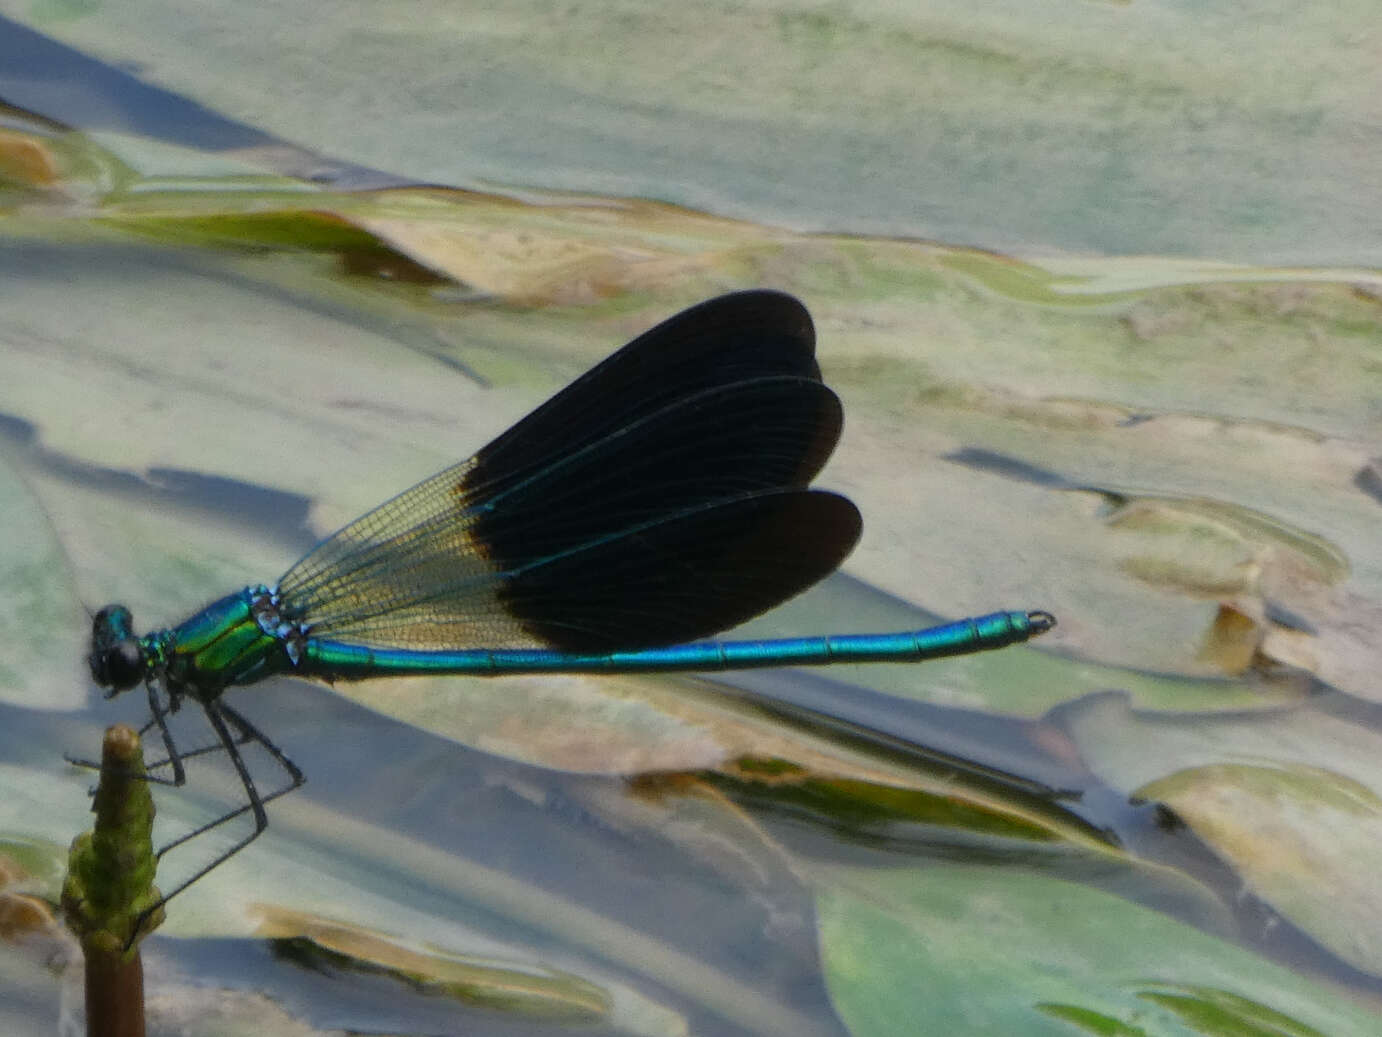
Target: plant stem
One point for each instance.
(109, 889)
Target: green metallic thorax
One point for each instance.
(221, 645)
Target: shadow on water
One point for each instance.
(67, 88)
(275, 516)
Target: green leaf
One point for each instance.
(961, 950)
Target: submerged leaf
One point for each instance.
(508, 987)
(1305, 839)
(958, 949)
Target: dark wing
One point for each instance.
(659, 498)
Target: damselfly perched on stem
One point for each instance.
(659, 499)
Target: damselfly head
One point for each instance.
(117, 658)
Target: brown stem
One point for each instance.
(114, 994)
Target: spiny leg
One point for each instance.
(218, 714)
(242, 738)
(158, 714)
(250, 733)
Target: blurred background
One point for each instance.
(1100, 286)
